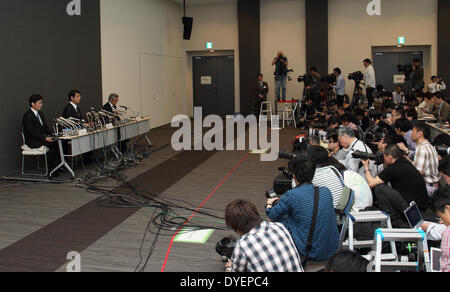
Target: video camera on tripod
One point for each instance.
(357, 76)
(306, 78)
(330, 79)
(405, 69)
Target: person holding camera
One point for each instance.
(308, 213)
(339, 87)
(407, 184)
(264, 246)
(369, 81)
(314, 86)
(281, 69)
(350, 143)
(437, 85)
(417, 75)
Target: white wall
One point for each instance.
(283, 27)
(216, 23)
(353, 33)
(141, 56)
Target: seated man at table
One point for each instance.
(111, 106)
(442, 108)
(36, 131)
(113, 99)
(72, 109)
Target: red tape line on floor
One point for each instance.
(204, 202)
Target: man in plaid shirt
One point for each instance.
(441, 204)
(426, 159)
(264, 246)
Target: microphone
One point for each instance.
(122, 106)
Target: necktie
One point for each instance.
(39, 118)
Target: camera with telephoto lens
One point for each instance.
(329, 79)
(405, 69)
(283, 154)
(357, 76)
(272, 195)
(225, 248)
(307, 79)
(443, 150)
(378, 157)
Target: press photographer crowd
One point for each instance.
(376, 150)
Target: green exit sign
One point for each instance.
(401, 40)
(209, 45)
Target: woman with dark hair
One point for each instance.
(307, 212)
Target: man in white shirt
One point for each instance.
(398, 96)
(350, 143)
(369, 80)
(436, 85)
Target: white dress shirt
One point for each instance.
(369, 78)
(435, 87)
(340, 85)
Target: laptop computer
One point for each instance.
(414, 216)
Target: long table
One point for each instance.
(80, 144)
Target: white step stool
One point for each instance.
(289, 114)
(365, 217)
(379, 264)
(267, 112)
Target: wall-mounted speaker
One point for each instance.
(187, 22)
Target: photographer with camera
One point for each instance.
(308, 213)
(339, 86)
(281, 69)
(403, 128)
(350, 143)
(314, 86)
(369, 81)
(417, 75)
(407, 184)
(264, 246)
(437, 85)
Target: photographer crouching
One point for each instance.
(407, 184)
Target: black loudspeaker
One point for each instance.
(187, 22)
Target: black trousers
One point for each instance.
(340, 100)
(53, 156)
(369, 95)
(316, 99)
(391, 201)
(257, 106)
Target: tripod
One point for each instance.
(331, 95)
(356, 95)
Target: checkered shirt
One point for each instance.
(427, 160)
(267, 248)
(445, 249)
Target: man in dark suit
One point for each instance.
(37, 132)
(72, 110)
(112, 103)
(262, 88)
(111, 106)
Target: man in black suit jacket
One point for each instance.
(111, 106)
(72, 110)
(37, 132)
(112, 103)
(262, 88)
